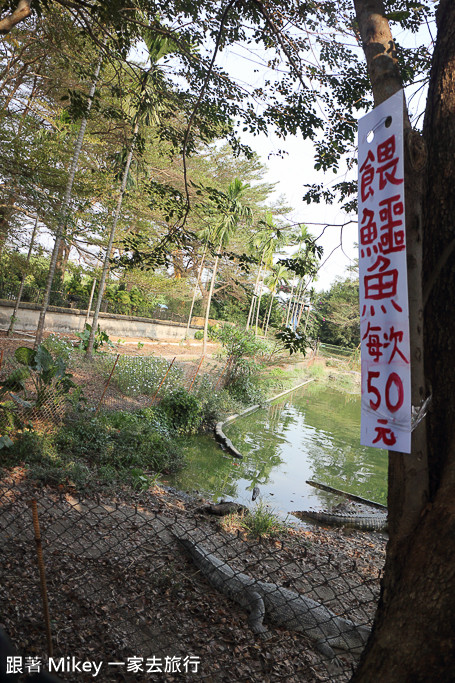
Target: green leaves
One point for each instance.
(293, 341)
(101, 338)
(24, 355)
(5, 442)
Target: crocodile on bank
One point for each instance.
(362, 522)
(224, 507)
(278, 605)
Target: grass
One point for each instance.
(260, 522)
(99, 452)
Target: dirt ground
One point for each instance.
(133, 346)
(120, 587)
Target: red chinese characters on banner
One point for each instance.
(383, 280)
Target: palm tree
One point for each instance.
(234, 212)
(299, 286)
(265, 242)
(278, 277)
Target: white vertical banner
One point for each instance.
(384, 312)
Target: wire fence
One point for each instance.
(147, 585)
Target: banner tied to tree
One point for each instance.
(384, 315)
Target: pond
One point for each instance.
(312, 433)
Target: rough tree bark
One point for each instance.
(414, 628)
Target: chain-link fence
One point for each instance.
(139, 585)
(125, 593)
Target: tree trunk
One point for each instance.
(261, 289)
(414, 632)
(21, 12)
(21, 288)
(254, 297)
(209, 301)
(199, 273)
(107, 256)
(408, 473)
(268, 313)
(288, 311)
(65, 207)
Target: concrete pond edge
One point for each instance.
(221, 437)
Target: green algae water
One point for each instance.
(312, 433)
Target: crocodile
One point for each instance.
(224, 507)
(362, 522)
(281, 606)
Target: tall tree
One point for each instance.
(148, 107)
(233, 211)
(278, 277)
(65, 205)
(418, 592)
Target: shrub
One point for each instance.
(48, 377)
(123, 448)
(215, 404)
(182, 411)
(246, 356)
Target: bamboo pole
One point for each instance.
(161, 383)
(222, 373)
(42, 574)
(90, 302)
(107, 384)
(196, 373)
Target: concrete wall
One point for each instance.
(71, 320)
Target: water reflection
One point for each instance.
(311, 434)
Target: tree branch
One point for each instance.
(22, 11)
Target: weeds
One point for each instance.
(122, 448)
(259, 522)
(141, 375)
(262, 521)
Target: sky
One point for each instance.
(296, 168)
(247, 65)
(291, 173)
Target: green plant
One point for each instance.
(246, 357)
(317, 371)
(141, 481)
(215, 403)
(128, 449)
(59, 347)
(5, 442)
(182, 411)
(198, 335)
(262, 521)
(140, 345)
(294, 342)
(136, 375)
(101, 338)
(47, 375)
